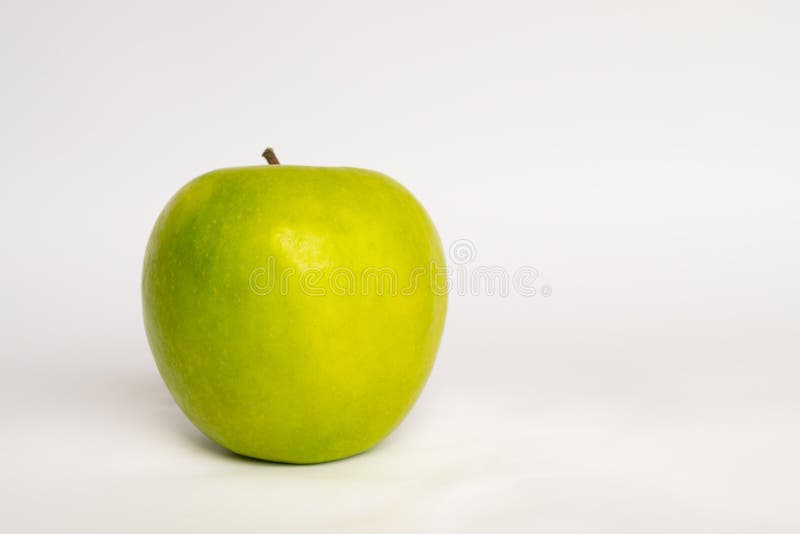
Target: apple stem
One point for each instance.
(270, 156)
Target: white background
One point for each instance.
(643, 156)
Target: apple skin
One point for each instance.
(288, 375)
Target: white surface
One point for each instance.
(642, 156)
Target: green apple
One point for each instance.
(294, 312)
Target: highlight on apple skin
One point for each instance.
(292, 310)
